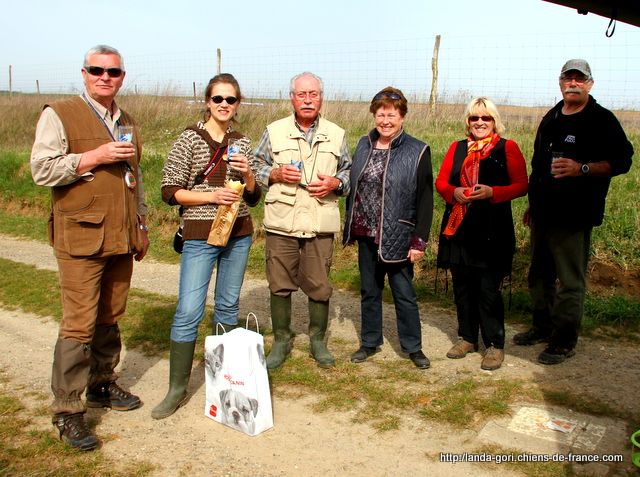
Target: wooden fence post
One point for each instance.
(219, 67)
(195, 98)
(434, 76)
(10, 83)
(38, 87)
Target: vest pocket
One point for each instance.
(279, 211)
(83, 234)
(328, 216)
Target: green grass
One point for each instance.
(27, 451)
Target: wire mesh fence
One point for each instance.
(515, 70)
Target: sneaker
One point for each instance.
(75, 432)
(493, 359)
(461, 348)
(113, 396)
(362, 354)
(555, 355)
(531, 337)
(419, 359)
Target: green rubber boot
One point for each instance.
(180, 362)
(318, 321)
(280, 322)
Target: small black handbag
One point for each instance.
(178, 241)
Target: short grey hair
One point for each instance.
(292, 85)
(102, 50)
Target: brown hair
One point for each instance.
(389, 96)
(227, 78)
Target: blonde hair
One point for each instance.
(482, 106)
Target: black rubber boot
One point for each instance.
(280, 323)
(318, 321)
(180, 362)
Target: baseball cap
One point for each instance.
(578, 65)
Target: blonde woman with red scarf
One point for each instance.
(478, 179)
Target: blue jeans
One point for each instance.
(372, 273)
(196, 267)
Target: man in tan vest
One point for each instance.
(97, 227)
(305, 168)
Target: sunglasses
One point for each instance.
(99, 71)
(486, 119)
(385, 94)
(219, 99)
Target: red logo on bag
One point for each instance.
(213, 410)
(232, 381)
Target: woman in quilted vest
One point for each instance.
(389, 212)
(478, 179)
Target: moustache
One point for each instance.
(308, 108)
(573, 90)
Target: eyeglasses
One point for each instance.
(99, 71)
(219, 99)
(387, 94)
(486, 119)
(302, 95)
(580, 79)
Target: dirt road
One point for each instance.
(302, 442)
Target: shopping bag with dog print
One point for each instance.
(236, 380)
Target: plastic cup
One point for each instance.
(125, 134)
(233, 147)
(555, 155)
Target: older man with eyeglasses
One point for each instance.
(305, 169)
(578, 148)
(97, 227)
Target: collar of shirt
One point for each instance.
(308, 136)
(110, 120)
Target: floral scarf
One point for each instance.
(469, 172)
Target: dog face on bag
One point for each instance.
(213, 361)
(238, 410)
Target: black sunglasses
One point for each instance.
(386, 94)
(99, 71)
(486, 119)
(228, 99)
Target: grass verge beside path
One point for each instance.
(26, 451)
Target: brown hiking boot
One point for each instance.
(461, 348)
(75, 432)
(493, 359)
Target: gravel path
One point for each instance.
(302, 442)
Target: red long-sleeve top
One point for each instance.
(516, 168)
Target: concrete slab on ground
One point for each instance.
(551, 430)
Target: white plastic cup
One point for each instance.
(125, 134)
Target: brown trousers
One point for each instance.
(94, 296)
(303, 263)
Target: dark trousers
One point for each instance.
(479, 304)
(557, 281)
(400, 275)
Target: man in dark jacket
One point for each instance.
(579, 146)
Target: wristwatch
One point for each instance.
(340, 188)
(585, 169)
